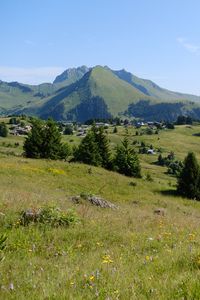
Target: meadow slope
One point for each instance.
(127, 253)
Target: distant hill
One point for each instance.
(82, 93)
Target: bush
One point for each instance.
(68, 130)
(14, 121)
(52, 216)
(175, 168)
(170, 126)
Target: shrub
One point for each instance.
(68, 130)
(175, 168)
(132, 183)
(52, 216)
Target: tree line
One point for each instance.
(45, 141)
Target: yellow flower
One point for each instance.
(107, 259)
(92, 278)
(192, 236)
(72, 283)
(147, 257)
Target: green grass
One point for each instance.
(129, 253)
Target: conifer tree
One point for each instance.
(3, 130)
(44, 141)
(188, 181)
(126, 160)
(103, 146)
(88, 151)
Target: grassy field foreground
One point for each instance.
(127, 253)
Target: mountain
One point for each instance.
(82, 93)
(149, 88)
(98, 94)
(71, 75)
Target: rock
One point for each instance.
(94, 200)
(160, 211)
(30, 215)
(75, 199)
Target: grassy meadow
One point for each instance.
(126, 253)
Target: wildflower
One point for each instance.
(107, 259)
(167, 234)
(11, 286)
(72, 283)
(147, 257)
(192, 236)
(92, 278)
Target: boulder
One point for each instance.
(160, 211)
(94, 200)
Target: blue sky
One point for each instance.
(154, 39)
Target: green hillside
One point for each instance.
(127, 253)
(149, 88)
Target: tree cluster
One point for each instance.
(95, 150)
(174, 166)
(183, 120)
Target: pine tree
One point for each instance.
(126, 161)
(44, 141)
(103, 146)
(115, 129)
(33, 143)
(88, 151)
(3, 130)
(188, 181)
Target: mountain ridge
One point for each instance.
(83, 92)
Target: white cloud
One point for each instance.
(193, 48)
(29, 75)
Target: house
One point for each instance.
(151, 151)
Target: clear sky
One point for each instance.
(153, 39)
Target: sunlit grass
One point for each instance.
(128, 253)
